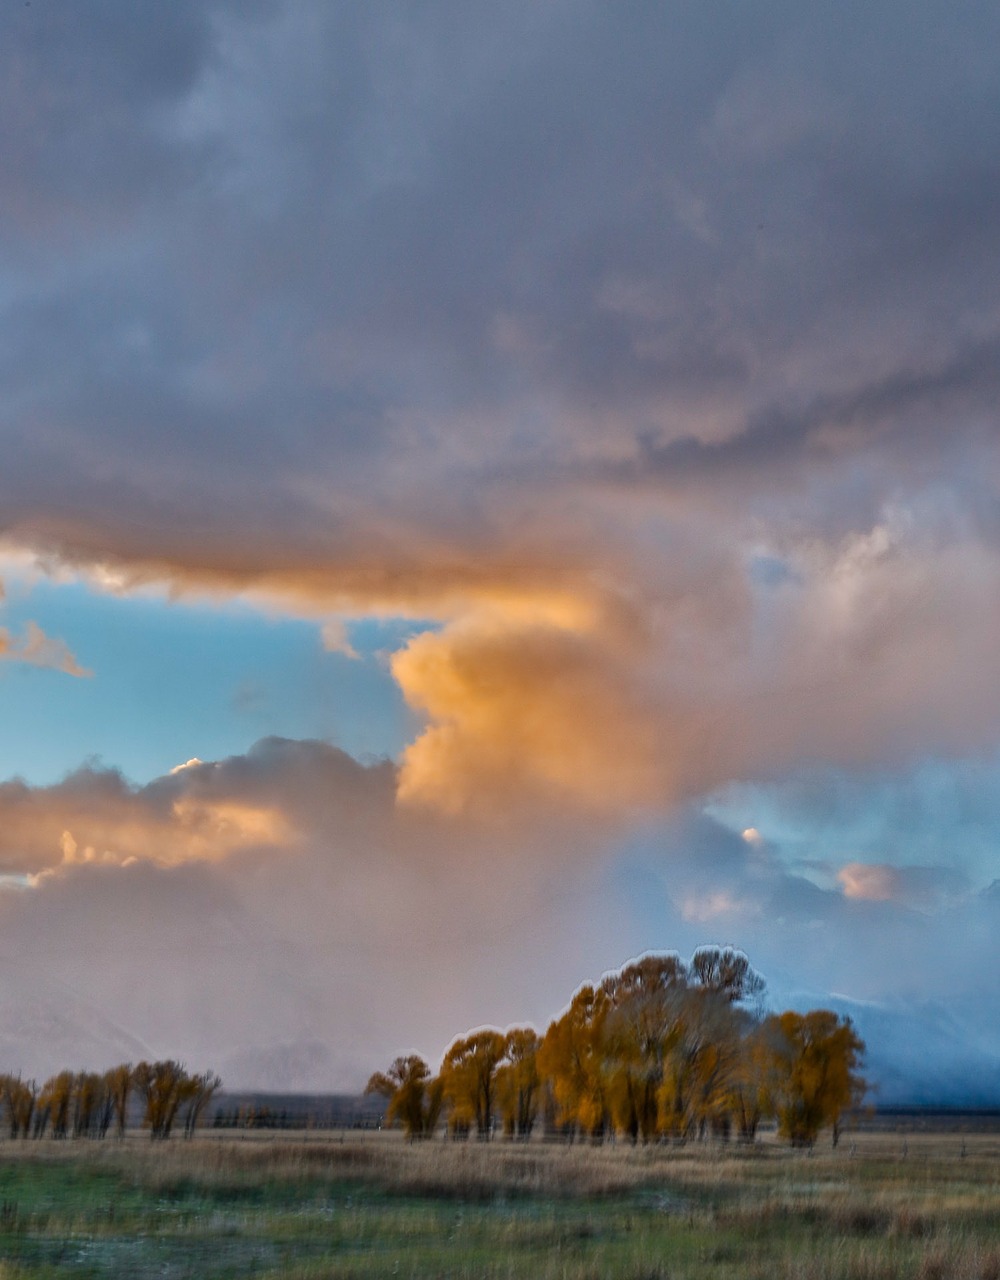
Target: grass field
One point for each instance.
(281, 1206)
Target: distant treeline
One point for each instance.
(86, 1104)
(294, 1111)
(662, 1049)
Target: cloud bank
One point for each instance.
(282, 917)
(646, 361)
(653, 398)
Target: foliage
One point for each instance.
(571, 1060)
(518, 1082)
(819, 1054)
(18, 1098)
(469, 1080)
(85, 1104)
(165, 1088)
(659, 1049)
(414, 1098)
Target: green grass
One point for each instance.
(286, 1207)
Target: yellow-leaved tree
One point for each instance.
(469, 1078)
(818, 1056)
(639, 1032)
(571, 1060)
(517, 1087)
(414, 1097)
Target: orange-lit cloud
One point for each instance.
(516, 708)
(280, 913)
(870, 881)
(37, 649)
(363, 574)
(635, 681)
(258, 906)
(513, 422)
(680, 443)
(95, 817)
(920, 887)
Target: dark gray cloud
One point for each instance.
(285, 244)
(890, 417)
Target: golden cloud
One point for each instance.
(37, 649)
(570, 668)
(94, 817)
(521, 706)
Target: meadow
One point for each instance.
(308, 1206)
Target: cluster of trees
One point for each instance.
(661, 1049)
(86, 1104)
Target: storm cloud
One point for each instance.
(645, 361)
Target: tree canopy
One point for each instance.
(662, 1048)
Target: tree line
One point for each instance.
(85, 1104)
(662, 1049)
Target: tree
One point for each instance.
(199, 1092)
(517, 1083)
(54, 1102)
(118, 1084)
(638, 1031)
(719, 1033)
(18, 1098)
(88, 1091)
(164, 1086)
(414, 1097)
(571, 1060)
(754, 1084)
(818, 1055)
(728, 972)
(468, 1078)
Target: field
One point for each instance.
(880, 1206)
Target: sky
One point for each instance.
(488, 491)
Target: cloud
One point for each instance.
(873, 883)
(642, 680)
(201, 812)
(357, 927)
(277, 899)
(645, 361)
(909, 935)
(335, 639)
(916, 886)
(677, 325)
(515, 708)
(873, 651)
(37, 649)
